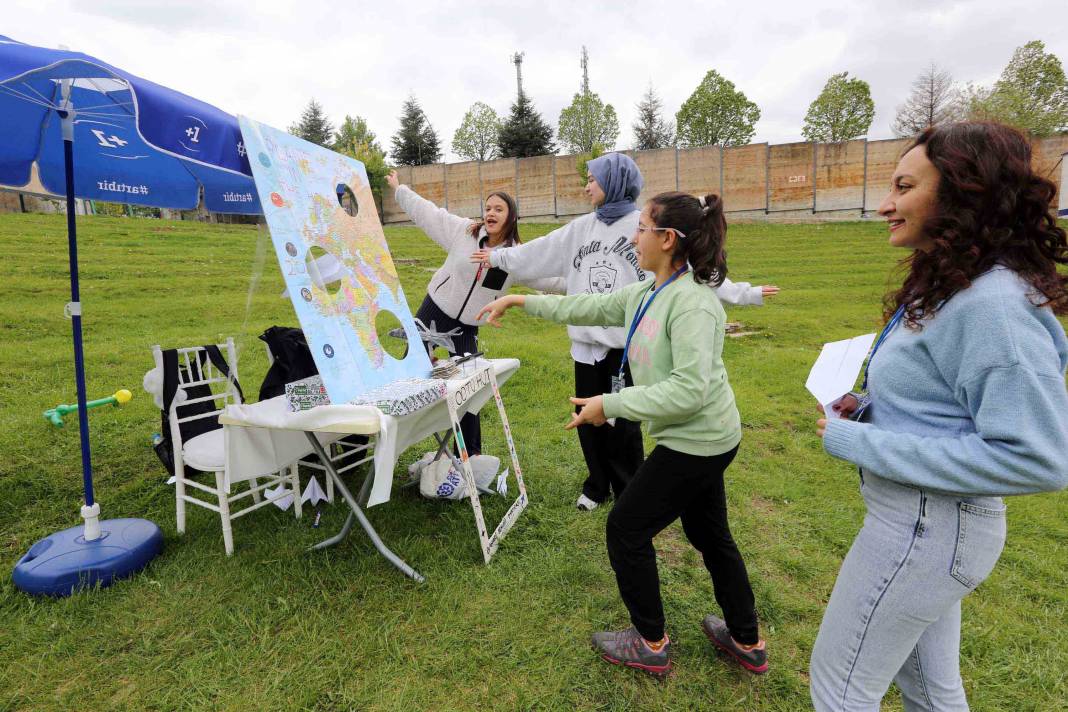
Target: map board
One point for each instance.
(299, 184)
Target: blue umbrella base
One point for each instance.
(65, 562)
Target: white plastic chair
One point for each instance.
(207, 452)
(344, 455)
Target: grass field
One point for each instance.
(276, 628)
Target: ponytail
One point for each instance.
(705, 229)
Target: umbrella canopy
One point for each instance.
(137, 142)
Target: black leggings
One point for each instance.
(613, 453)
(667, 486)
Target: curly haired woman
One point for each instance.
(967, 404)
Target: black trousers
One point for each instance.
(668, 486)
(464, 343)
(612, 453)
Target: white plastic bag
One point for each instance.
(443, 478)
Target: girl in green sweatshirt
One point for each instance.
(675, 331)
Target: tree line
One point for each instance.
(1031, 94)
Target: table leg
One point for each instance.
(443, 444)
(365, 490)
(337, 537)
(358, 513)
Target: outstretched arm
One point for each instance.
(743, 293)
(537, 259)
(439, 224)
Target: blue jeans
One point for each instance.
(894, 614)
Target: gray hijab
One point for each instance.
(621, 182)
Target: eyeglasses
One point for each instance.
(643, 228)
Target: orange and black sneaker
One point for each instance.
(630, 649)
(754, 659)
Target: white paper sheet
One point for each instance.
(313, 492)
(836, 370)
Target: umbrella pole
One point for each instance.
(91, 510)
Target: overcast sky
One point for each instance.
(266, 58)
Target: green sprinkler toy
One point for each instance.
(55, 415)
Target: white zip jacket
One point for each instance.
(461, 288)
(595, 258)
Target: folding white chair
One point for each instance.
(344, 454)
(199, 374)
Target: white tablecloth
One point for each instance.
(264, 437)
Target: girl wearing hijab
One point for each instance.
(595, 255)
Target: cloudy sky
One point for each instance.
(267, 58)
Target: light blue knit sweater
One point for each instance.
(973, 404)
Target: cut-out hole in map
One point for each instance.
(306, 214)
(347, 200)
(386, 322)
(325, 272)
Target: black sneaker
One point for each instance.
(628, 648)
(754, 660)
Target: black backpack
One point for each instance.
(292, 360)
(165, 446)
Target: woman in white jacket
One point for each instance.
(459, 289)
(594, 254)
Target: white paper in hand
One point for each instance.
(836, 370)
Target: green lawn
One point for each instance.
(276, 628)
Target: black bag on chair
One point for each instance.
(292, 360)
(165, 447)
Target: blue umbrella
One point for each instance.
(97, 132)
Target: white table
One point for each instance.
(265, 437)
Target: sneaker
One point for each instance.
(586, 504)
(628, 648)
(754, 660)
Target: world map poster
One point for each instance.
(299, 184)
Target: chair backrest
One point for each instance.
(208, 387)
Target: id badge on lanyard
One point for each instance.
(864, 400)
(618, 382)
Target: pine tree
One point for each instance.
(650, 130)
(314, 126)
(415, 143)
(524, 133)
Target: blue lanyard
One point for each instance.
(879, 342)
(640, 314)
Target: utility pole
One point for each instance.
(585, 71)
(517, 60)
